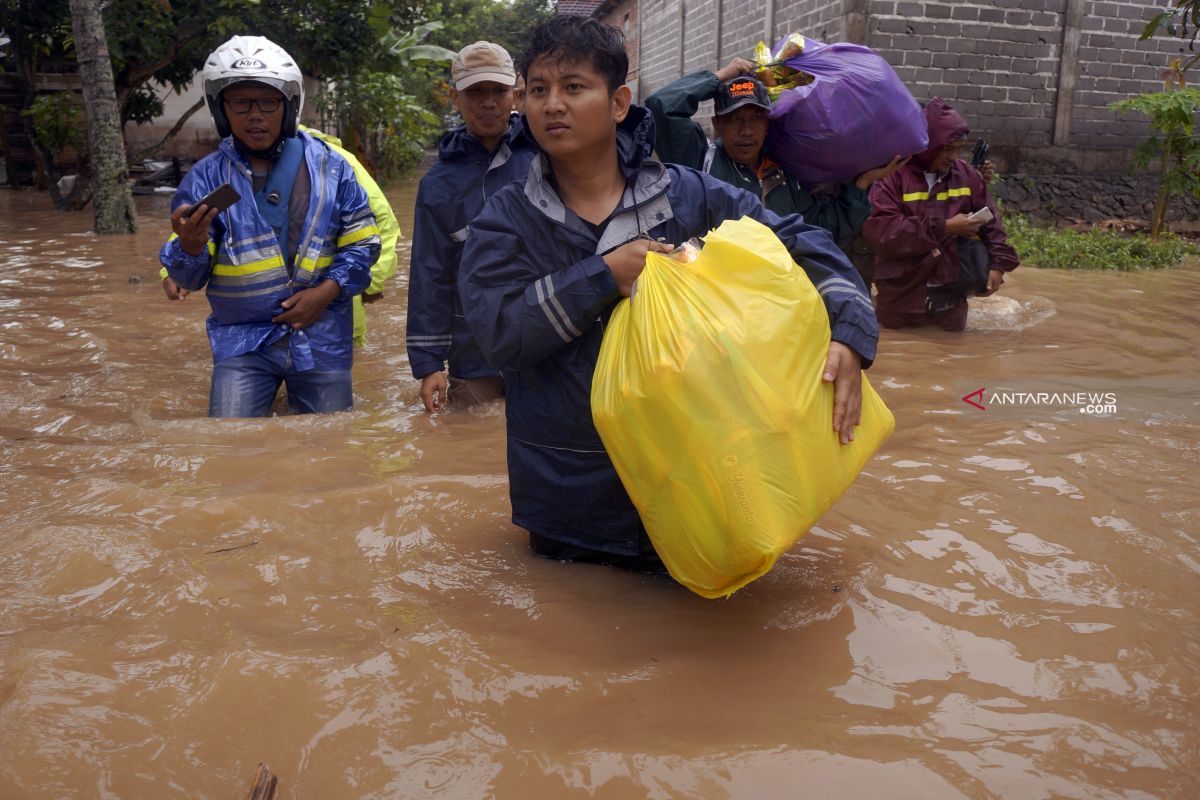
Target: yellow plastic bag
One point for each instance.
(708, 397)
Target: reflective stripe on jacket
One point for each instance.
(244, 270)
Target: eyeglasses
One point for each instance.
(267, 105)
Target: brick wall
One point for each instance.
(1113, 66)
(823, 21)
(660, 42)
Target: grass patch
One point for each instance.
(1097, 249)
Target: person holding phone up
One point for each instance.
(936, 232)
(283, 261)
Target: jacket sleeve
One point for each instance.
(189, 271)
(891, 232)
(385, 220)
(842, 214)
(677, 139)
(519, 313)
(358, 236)
(384, 267)
(429, 330)
(851, 315)
(1001, 255)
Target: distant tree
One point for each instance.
(507, 24)
(1173, 147)
(384, 109)
(112, 200)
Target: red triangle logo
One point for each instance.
(978, 402)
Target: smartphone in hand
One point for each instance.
(220, 198)
(979, 154)
(982, 215)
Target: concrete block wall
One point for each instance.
(660, 42)
(1113, 65)
(823, 20)
(996, 62)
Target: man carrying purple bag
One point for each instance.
(737, 157)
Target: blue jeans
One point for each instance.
(245, 385)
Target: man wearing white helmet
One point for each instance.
(283, 262)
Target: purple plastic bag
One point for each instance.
(856, 115)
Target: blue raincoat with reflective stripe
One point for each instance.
(537, 294)
(244, 269)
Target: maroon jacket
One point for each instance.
(907, 226)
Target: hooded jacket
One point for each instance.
(245, 272)
(907, 226)
(679, 140)
(537, 295)
(450, 195)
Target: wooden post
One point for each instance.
(1068, 66)
(265, 784)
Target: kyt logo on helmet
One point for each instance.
(249, 63)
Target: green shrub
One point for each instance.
(1095, 249)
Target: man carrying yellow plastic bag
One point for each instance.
(546, 262)
(709, 399)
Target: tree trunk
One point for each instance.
(111, 196)
(1160, 199)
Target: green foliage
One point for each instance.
(352, 44)
(58, 121)
(391, 126)
(387, 110)
(1173, 145)
(507, 24)
(1183, 21)
(142, 106)
(407, 49)
(1095, 249)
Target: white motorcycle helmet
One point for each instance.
(253, 58)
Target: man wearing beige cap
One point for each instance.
(488, 151)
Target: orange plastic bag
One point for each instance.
(708, 397)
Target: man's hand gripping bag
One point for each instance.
(708, 397)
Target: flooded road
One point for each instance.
(1004, 605)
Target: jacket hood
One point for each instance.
(635, 139)
(945, 125)
(458, 144)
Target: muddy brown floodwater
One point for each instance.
(1004, 605)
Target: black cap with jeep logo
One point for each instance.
(740, 91)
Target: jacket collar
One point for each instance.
(459, 144)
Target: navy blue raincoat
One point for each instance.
(537, 295)
(450, 195)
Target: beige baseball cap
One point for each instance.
(482, 61)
